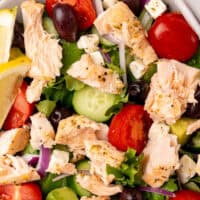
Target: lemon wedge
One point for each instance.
(11, 76)
(7, 23)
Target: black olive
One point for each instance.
(134, 5)
(65, 22)
(59, 114)
(193, 109)
(18, 40)
(138, 91)
(130, 194)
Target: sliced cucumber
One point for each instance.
(81, 165)
(93, 103)
(103, 41)
(63, 193)
(72, 183)
(47, 184)
(49, 26)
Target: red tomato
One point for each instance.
(20, 111)
(129, 128)
(172, 37)
(84, 11)
(27, 191)
(186, 195)
(50, 4)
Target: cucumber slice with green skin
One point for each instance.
(72, 183)
(103, 41)
(81, 165)
(49, 26)
(63, 193)
(93, 103)
(47, 184)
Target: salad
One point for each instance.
(99, 100)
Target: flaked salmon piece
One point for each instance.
(94, 184)
(102, 153)
(96, 198)
(74, 130)
(193, 127)
(34, 90)
(14, 140)
(120, 22)
(41, 48)
(14, 170)
(87, 71)
(42, 132)
(158, 169)
(172, 87)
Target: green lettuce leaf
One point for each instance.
(73, 84)
(56, 91)
(195, 60)
(46, 107)
(71, 54)
(130, 171)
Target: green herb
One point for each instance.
(46, 107)
(29, 150)
(195, 60)
(115, 68)
(73, 84)
(149, 73)
(130, 171)
(71, 54)
(119, 101)
(56, 91)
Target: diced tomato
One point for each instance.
(84, 11)
(27, 191)
(50, 4)
(172, 37)
(129, 128)
(186, 195)
(20, 111)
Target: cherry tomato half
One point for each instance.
(172, 37)
(129, 128)
(27, 191)
(186, 195)
(83, 9)
(50, 4)
(20, 111)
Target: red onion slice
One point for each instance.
(106, 56)
(98, 6)
(43, 163)
(157, 191)
(31, 159)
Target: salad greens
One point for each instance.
(130, 171)
(71, 53)
(195, 60)
(56, 91)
